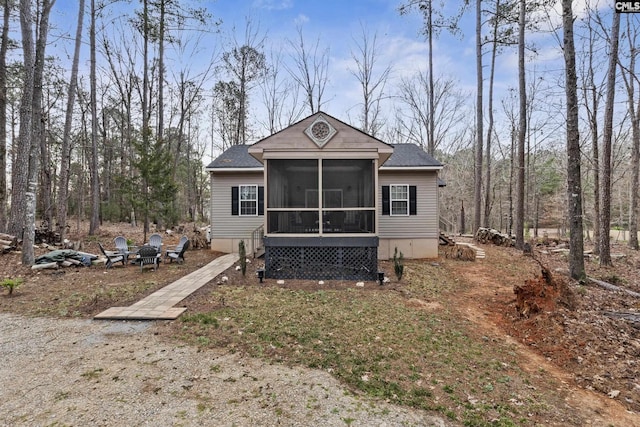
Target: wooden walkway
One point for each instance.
(160, 304)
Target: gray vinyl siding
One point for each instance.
(223, 224)
(422, 225)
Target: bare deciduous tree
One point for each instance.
(246, 65)
(434, 22)
(592, 94)
(25, 169)
(4, 45)
(574, 184)
(279, 97)
(605, 164)
(372, 83)
(310, 71)
(449, 113)
(477, 180)
(629, 76)
(522, 130)
(65, 154)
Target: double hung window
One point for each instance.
(248, 200)
(399, 198)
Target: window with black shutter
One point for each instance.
(247, 200)
(399, 200)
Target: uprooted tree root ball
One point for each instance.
(543, 294)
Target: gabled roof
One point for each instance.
(345, 139)
(405, 156)
(341, 138)
(235, 157)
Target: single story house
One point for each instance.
(324, 200)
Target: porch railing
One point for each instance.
(447, 226)
(257, 241)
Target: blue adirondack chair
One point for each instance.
(155, 240)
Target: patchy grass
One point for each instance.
(86, 291)
(380, 342)
(77, 304)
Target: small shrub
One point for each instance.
(243, 257)
(11, 284)
(398, 264)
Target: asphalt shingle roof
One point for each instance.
(410, 155)
(404, 155)
(236, 156)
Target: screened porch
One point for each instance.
(320, 196)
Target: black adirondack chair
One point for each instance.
(178, 253)
(148, 255)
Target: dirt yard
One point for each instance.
(582, 335)
(566, 328)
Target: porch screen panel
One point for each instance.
(348, 183)
(288, 182)
(292, 200)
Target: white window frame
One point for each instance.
(247, 201)
(393, 200)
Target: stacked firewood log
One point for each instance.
(488, 235)
(8, 243)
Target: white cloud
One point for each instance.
(273, 4)
(301, 19)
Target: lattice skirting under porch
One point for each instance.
(329, 259)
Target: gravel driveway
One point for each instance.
(93, 373)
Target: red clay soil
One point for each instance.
(559, 325)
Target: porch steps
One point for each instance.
(446, 240)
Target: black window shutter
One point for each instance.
(260, 200)
(235, 200)
(413, 202)
(385, 200)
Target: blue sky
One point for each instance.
(337, 25)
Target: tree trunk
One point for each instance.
(635, 183)
(94, 220)
(65, 161)
(574, 184)
(512, 156)
(145, 112)
(160, 128)
(431, 147)
(37, 134)
(522, 132)
(605, 164)
(487, 182)
(20, 170)
(596, 173)
(592, 101)
(4, 44)
(634, 113)
(45, 188)
(477, 191)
